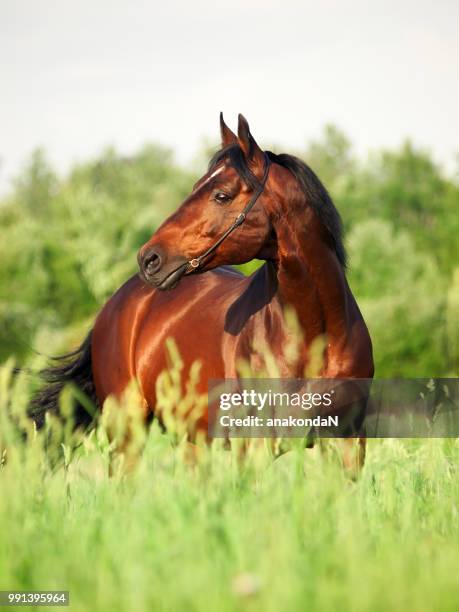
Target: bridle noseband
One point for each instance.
(194, 264)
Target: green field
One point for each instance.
(221, 534)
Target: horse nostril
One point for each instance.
(151, 263)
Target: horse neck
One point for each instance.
(311, 280)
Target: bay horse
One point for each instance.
(250, 204)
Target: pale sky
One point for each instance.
(78, 75)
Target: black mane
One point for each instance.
(316, 194)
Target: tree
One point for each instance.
(37, 184)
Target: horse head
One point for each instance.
(226, 219)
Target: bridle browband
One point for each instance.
(194, 264)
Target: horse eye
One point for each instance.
(221, 198)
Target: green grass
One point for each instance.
(290, 534)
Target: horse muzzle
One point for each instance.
(157, 271)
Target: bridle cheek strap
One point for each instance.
(194, 264)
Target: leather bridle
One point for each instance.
(195, 263)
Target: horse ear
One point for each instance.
(246, 141)
(228, 136)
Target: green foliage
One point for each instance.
(69, 243)
(402, 297)
(37, 184)
(331, 157)
(290, 534)
(452, 321)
